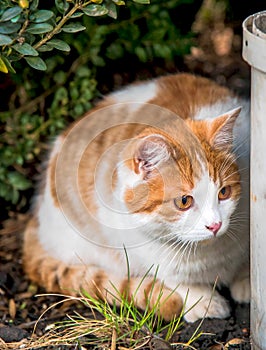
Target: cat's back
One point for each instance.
(184, 94)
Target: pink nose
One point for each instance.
(214, 227)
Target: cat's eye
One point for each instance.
(184, 202)
(224, 193)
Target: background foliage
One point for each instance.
(52, 55)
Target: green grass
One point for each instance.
(118, 326)
(108, 327)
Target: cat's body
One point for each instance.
(141, 177)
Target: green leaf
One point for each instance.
(18, 181)
(14, 196)
(5, 40)
(62, 5)
(15, 19)
(114, 51)
(25, 49)
(39, 28)
(34, 5)
(36, 62)
(8, 65)
(11, 13)
(119, 2)
(77, 14)
(94, 10)
(60, 77)
(112, 11)
(3, 67)
(161, 50)
(45, 48)
(41, 16)
(141, 53)
(9, 28)
(73, 28)
(147, 2)
(59, 45)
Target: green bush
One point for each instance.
(26, 30)
(53, 51)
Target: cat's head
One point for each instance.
(186, 180)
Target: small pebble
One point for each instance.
(12, 334)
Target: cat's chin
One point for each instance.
(208, 239)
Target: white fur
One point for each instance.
(140, 93)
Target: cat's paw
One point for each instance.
(170, 305)
(240, 290)
(217, 307)
(154, 295)
(205, 304)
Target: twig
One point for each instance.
(113, 341)
(63, 20)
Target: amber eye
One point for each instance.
(224, 193)
(184, 203)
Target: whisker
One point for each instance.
(236, 239)
(176, 252)
(232, 174)
(231, 159)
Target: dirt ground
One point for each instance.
(217, 56)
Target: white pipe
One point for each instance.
(254, 52)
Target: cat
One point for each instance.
(152, 183)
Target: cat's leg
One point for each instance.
(240, 287)
(202, 301)
(56, 276)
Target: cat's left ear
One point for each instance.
(150, 152)
(221, 129)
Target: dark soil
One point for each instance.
(217, 57)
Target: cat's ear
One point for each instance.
(221, 132)
(150, 152)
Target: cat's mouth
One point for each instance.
(206, 237)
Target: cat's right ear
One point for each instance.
(150, 151)
(222, 129)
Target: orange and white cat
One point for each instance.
(155, 177)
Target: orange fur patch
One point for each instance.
(52, 170)
(187, 93)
